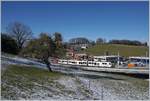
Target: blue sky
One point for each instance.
(109, 20)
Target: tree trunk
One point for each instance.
(48, 65)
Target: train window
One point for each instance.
(104, 63)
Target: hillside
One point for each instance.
(124, 50)
(30, 83)
(20, 82)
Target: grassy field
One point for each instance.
(30, 83)
(21, 82)
(124, 50)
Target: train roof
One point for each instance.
(104, 56)
(138, 57)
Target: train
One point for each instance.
(85, 63)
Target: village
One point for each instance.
(106, 60)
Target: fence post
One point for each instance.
(89, 83)
(102, 96)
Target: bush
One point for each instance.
(126, 42)
(8, 44)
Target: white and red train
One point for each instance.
(85, 63)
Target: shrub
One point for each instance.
(8, 44)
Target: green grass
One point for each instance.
(29, 71)
(124, 50)
(21, 82)
(16, 79)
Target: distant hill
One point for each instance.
(124, 50)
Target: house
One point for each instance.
(70, 53)
(78, 47)
(81, 56)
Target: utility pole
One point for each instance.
(146, 59)
(87, 59)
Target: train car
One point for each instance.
(72, 62)
(99, 64)
(82, 63)
(86, 63)
(91, 63)
(141, 61)
(104, 64)
(62, 61)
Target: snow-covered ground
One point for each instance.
(18, 60)
(78, 84)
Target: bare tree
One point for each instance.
(99, 41)
(20, 32)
